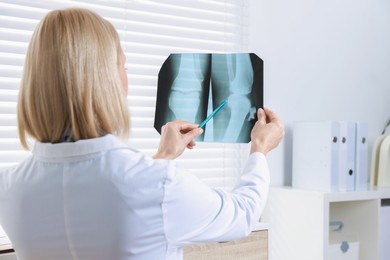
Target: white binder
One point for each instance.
(361, 158)
(316, 155)
(347, 156)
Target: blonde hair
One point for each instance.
(71, 80)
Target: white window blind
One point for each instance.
(149, 32)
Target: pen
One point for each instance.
(213, 114)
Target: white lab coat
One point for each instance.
(99, 199)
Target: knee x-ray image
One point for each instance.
(191, 86)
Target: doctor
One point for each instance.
(84, 193)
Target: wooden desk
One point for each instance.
(253, 247)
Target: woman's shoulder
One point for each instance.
(8, 175)
(128, 163)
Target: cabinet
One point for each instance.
(299, 222)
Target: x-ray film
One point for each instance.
(192, 86)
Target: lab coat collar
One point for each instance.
(78, 148)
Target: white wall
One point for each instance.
(323, 60)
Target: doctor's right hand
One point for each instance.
(175, 137)
(267, 132)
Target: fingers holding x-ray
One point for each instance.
(184, 93)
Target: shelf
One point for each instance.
(299, 221)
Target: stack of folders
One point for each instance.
(330, 155)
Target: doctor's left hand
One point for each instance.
(175, 137)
